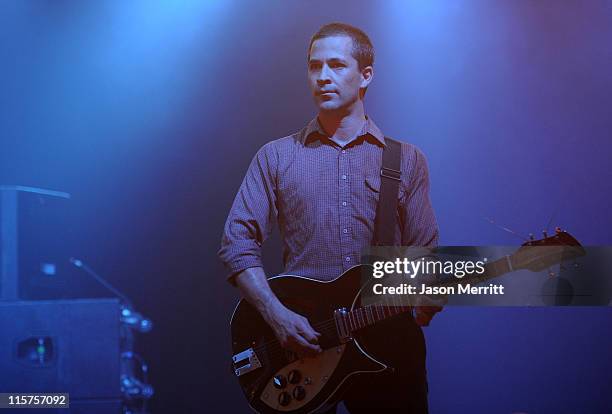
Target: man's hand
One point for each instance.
(427, 307)
(292, 330)
(424, 314)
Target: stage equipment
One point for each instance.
(84, 347)
(135, 386)
(70, 346)
(36, 238)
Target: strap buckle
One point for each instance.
(391, 173)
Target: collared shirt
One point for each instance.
(323, 198)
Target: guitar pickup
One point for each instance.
(342, 327)
(245, 361)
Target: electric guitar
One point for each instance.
(274, 380)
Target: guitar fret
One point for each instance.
(371, 315)
(387, 308)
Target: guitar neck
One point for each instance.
(491, 271)
(368, 315)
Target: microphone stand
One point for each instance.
(133, 388)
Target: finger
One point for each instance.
(430, 310)
(422, 319)
(307, 346)
(310, 334)
(311, 338)
(424, 315)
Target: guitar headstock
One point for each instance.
(537, 255)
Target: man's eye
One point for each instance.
(314, 66)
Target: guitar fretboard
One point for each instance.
(392, 305)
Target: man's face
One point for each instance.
(334, 75)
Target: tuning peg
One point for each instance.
(544, 233)
(558, 230)
(531, 236)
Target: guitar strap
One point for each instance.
(390, 178)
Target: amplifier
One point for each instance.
(68, 346)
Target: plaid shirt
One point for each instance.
(323, 198)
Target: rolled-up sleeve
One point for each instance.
(420, 226)
(252, 216)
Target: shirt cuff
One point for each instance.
(240, 265)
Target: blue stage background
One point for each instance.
(148, 113)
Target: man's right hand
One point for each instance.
(292, 330)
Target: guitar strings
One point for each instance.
(276, 351)
(327, 327)
(382, 308)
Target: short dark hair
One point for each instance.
(363, 51)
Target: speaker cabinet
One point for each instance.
(69, 346)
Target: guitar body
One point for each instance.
(277, 382)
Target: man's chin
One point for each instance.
(328, 106)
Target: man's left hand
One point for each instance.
(424, 314)
(427, 306)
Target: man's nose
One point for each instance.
(324, 75)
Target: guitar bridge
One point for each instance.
(245, 361)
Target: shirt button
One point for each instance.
(344, 203)
(348, 259)
(344, 151)
(344, 231)
(344, 176)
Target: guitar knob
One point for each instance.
(280, 382)
(294, 376)
(299, 393)
(284, 398)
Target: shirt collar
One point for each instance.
(369, 127)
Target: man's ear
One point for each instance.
(367, 74)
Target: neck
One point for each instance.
(342, 128)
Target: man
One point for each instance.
(321, 186)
